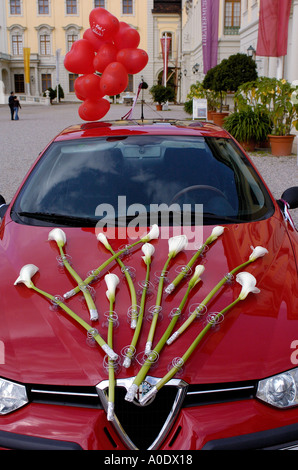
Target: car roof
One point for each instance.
(141, 127)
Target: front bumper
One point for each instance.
(240, 425)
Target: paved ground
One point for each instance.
(21, 142)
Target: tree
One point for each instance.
(230, 74)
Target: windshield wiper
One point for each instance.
(63, 219)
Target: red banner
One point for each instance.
(273, 28)
(165, 47)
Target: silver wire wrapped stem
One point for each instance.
(131, 392)
(110, 413)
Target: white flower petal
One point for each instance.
(153, 234)
(112, 281)
(257, 252)
(58, 236)
(216, 232)
(148, 251)
(26, 274)
(103, 239)
(197, 275)
(248, 283)
(177, 244)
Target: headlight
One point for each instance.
(280, 390)
(12, 396)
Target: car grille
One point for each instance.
(134, 419)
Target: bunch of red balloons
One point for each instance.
(104, 57)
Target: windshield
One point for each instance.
(113, 179)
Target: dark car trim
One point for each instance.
(278, 438)
(9, 440)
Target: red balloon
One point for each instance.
(93, 110)
(126, 37)
(80, 57)
(88, 86)
(114, 79)
(106, 54)
(103, 24)
(134, 60)
(95, 40)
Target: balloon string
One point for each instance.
(128, 115)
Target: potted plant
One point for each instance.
(248, 126)
(162, 94)
(198, 91)
(278, 97)
(228, 76)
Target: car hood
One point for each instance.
(42, 344)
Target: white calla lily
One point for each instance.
(26, 274)
(197, 275)
(103, 239)
(216, 232)
(58, 236)
(148, 251)
(152, 235)
(112, 281)
(258, 252)
(248, 283)
(177, 244)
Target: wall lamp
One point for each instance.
(195, 68)
(251, 52)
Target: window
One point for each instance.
(17, 44)
(71, 38)
(232, 16)
(15, 7)
(99, 3)
(127, 7)
(72, 78)
(45, 44)
(43, 7)
(71, 7)
(46, 81)
(19, 83)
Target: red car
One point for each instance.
(148, 295)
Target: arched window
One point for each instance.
(44, 39)
(16, 39)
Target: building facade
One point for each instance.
(237, 32)
(49, 28)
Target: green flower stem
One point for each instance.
(157, 305)
(189, 265)
(79, 320)
(98, 270)
(88, 297)
(132, 348)
(132, 290)
(111, 365)
(156, 351)
(186, 355)
(211, 294)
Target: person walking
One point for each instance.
(16, 108)
(11, 104)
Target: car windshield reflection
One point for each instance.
(116, 179)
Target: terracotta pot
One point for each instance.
(210, 115)
(249, 146)
(281, 145)
(219, 117)
(158, 107)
